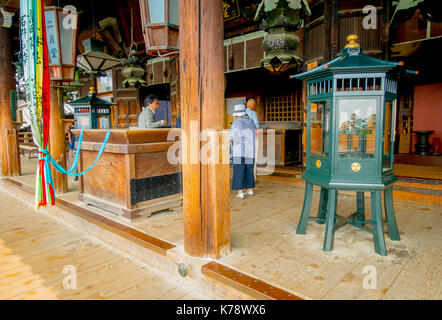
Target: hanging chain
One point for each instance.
(132, 42)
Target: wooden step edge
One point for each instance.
(244, 283)
(131, 234)
(419, 185)
(419, 198)
(419, 180)
(419, 190)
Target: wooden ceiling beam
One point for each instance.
(10, 5)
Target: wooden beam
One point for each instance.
(206, 187)
(10, 5)
(328, 40)
(334, 31)
(385, 30)
(10, 156)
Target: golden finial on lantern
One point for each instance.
(351, 39)
(92, 90)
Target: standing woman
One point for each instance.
(242, 134)
(251, 113)
(71, 137)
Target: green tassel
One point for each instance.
(13, 103)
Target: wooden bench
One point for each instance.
(31, 149)
(26, 143)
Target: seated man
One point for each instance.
(146, 120)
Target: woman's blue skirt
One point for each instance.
(243, 173)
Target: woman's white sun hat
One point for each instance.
(239, 110)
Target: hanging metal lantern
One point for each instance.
(281, 19)
(94, 61)
(61, 28)
(160, 26)
(133, 72)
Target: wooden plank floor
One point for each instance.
(35, 247)
(266, 245)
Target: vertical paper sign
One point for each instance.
(52, 38)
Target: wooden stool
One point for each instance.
(328, 204)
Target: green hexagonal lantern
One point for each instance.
(350, 135)
(92, 112)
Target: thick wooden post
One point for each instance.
(328, 14)
(385, 29)
(334, 31)
(10, 157)
(206, 187)
(57, 145)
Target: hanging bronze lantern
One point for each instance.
(281, 19)
(133, 72)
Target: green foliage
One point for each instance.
(13, 103)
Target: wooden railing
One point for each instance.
(26, 143)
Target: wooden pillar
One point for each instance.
(385, 30)
(334, 31)
(10, 157)
(260, 108)
(327, 21)
(206, 187)
(57, 145)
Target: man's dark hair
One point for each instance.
(249, 98)
(150, 99)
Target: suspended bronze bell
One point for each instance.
(133, 72)
(281, 19)
(279, 46)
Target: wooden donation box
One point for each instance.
(133, 175)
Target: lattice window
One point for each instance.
(362, 84)
(284, 108)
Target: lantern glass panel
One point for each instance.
(103, 123)
(319, 126)
(156, 11)
(388, 134)
(357, 127)
(83, 122)
(173, 12)
(52, 37)
(66, 36)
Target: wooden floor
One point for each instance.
(266, 245)
(35, 248)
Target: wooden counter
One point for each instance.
(132, 176)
